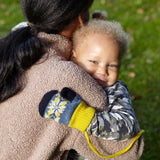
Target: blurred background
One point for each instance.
(140, 68)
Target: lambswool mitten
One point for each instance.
(68, 108)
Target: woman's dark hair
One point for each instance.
(20, 49)
(52, 16)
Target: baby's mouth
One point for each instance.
(101, 82)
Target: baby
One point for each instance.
(98, 48)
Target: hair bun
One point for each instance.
(97, 14)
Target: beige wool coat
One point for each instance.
(25, 135)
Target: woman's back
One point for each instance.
(24, 134)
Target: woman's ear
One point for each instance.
(80, 20)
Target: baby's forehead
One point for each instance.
(102, 35)
(96, 37)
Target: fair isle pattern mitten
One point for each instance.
(68, 108)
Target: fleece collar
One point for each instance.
(61, 45)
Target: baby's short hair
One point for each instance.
(111, 28)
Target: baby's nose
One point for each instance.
(102, 77)
(102, 70)
(102, 74)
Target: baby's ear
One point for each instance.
(102, 15)
(73, 56)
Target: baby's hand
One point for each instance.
(102, 15)
(68, 108)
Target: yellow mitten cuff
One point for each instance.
(82, 117)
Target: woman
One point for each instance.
(31, 66)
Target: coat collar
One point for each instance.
(61, 45)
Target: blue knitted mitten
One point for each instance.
(68, 108)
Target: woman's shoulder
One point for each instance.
(57, 54)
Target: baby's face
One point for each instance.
(99, 56)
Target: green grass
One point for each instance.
(140, 68)
(10, 15)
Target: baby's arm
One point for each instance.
(118, 121)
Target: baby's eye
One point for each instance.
(93, 61)
(113, 66)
